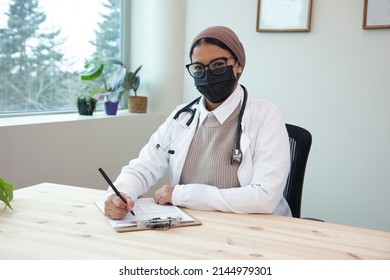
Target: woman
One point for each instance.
(227, 152)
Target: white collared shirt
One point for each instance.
(225, 109)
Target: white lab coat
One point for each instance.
(262, 174)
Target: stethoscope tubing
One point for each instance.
(237, 154)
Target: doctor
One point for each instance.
(225, 152)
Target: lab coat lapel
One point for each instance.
(181, 146)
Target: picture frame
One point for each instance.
(284, 15)
(376, 14)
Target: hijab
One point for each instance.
(226, 36)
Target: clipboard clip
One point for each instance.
(160, 223)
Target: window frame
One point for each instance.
(125, 57)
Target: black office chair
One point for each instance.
(300, 144)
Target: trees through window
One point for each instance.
(44, 45)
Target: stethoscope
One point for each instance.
(237, 154)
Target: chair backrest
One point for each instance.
(300, 144)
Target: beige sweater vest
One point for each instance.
(209, 157)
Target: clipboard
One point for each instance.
(151, 216)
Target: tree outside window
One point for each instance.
(37, 70)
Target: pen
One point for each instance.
(113, 187)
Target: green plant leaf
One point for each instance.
(136, 83)
(116, 80)
(96, 91)
(6, 192)
(131, 80)
(93, 71)
(136, 71)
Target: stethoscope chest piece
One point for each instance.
(236, 156)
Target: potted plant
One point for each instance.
(112, 88)
(6, 192)
(137, 104)
(86, 104)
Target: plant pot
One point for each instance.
(138, 104)
(85, 107)
(111, 107)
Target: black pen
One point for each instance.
(113, 187)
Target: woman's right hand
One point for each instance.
(115, 208)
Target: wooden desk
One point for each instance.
(61, 222)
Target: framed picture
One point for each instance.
(283, 15)
(376, 14)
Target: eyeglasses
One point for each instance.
(216, 66)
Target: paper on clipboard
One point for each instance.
(146, 209)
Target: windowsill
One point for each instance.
(58, 118)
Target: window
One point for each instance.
(44, 45)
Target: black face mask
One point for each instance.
(216, 88)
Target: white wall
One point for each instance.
(157, 42)
(69, 149)
(334, 81)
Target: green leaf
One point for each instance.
(93, 71)
(6, 192)
(131, 80)
(136, 83)
(96, 91)
(136, 71)
(115, 81)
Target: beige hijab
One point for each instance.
(226, 36)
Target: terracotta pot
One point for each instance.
(138, 104)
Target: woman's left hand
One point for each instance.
(164, 195)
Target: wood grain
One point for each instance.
(54, 221)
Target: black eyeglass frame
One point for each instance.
(225, 59)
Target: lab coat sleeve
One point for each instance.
(267, 163)
(141, 173)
